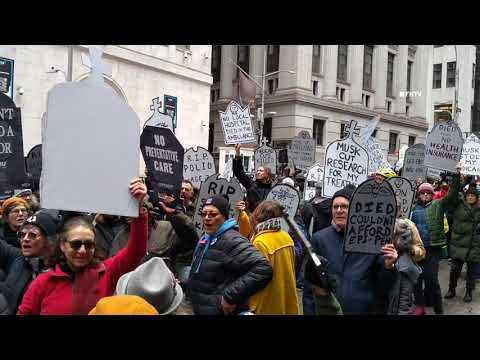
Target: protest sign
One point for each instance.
(266, 156)
(163, 156)
(471, 156)
(314, 175)
(368, 130)
(198, 165)
(377, 158)
(413, 164)
(371, 218)
(215, 185)
(346, 162)
(443, 147)
(286, 196)
(228, 171)
(434, 173)
(12, 161)
(90, 148)
(33, 163)
(302, 150)
(405, 192)
(159, 119)
(237, 124)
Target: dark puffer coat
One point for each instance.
(465, 242)
(321, 213)
(232, 268)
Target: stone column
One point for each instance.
(256, 65)
(297, 58)
(226, 72)
(422, 81)
(401, 77)
(381, 59)
(330, 74)
(356, 75)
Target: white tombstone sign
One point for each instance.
(443, 147)
(302, 150)
(371, 218)
(413, 164)
(314, 175)
(91, 147)
(237, 124)
(405, 193)
(198, 165)
(216, 185)
(159, 119)
(376, 155)
(471, 156)
(368, 130)
(346, 162)
(286, 196)
(266, 156)
(228, 171)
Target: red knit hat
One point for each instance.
(426, 187)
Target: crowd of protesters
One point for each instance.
(62, 263)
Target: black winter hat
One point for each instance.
(221, 203)
(44, 221)
(346, 192)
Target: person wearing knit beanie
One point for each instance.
(14, 213)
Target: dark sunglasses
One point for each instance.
(426, 193)
(30, 235)
(77, 244)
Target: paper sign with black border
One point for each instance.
(286, 196)
(198, 165)
(405, 192)
(237, 124)
(471, 156)
(414, 163)
(266, 156)
(314, 175)
(443, 147)
(302, 150)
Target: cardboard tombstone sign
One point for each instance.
(90, 147)
(216, 185)
(159, 119)
(198, 165)
(471, 156)
(413, 163)
(443, 147)
(228, 171)
(163, 156)
(314, 175)
(405, 193)
(434, 173)
(302, 150)
(371, 218)
(377, 158)
(33, 162)
(12, 161)
(266, 156)
(367, 131)
(346, 162)
(237, 124)
(286, 196)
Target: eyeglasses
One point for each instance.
(341, 207)
(426, 193)
(18, 211)
(30, 235)
(210, 215)
(77, 244)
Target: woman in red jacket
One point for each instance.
(79, 279)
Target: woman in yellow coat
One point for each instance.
(280, 295)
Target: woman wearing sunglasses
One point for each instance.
(79, 279)
(14, 213)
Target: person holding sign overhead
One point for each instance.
(79, 279)
(257, 190)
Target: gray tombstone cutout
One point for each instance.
(266, 156)
(314, 175)
(90, 149)
(346, 162)
(471, 156)
(371, 218)
(443, 147)
(286, 196)
(377, 158)
(237, 124)
(405, 193)
(159, 119)
(198, 165)
(413, 164)
(302, 150)
(215, 185)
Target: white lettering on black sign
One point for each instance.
(237, 124)
(286, 196)
(443, 147)
(405, 193)
(198, 165)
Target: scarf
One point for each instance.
(206, 240)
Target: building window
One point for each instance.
(391, 59)
(451, 66)
(437, 76)
(392, 143)
(366, 100)
(273, 56)
(216, 62)
(315, 87)
(212, 96)
(442, 112)
(407, 110)
(243, 58)
(342, 94)
(270, 86)
(342, 62)
(367, 66)
(211, 132)
(316, 59)
(342, 130)
(411, 140)
(374, 133)
(409, 75)
(389, 106)
(267, 129)
(183, 47)
(318, 128)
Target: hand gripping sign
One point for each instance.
(346, 162)
(405, 193)
(443, 147)
(371, 218)
(198, 165)
(237, 124)
(413, 164)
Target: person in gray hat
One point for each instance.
(154, 282)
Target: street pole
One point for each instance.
(263, 93)
(70, 63)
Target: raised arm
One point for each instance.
(238, 170)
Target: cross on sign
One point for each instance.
(349, 127)
(264, 141)
(156, 105)
(96, 63)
